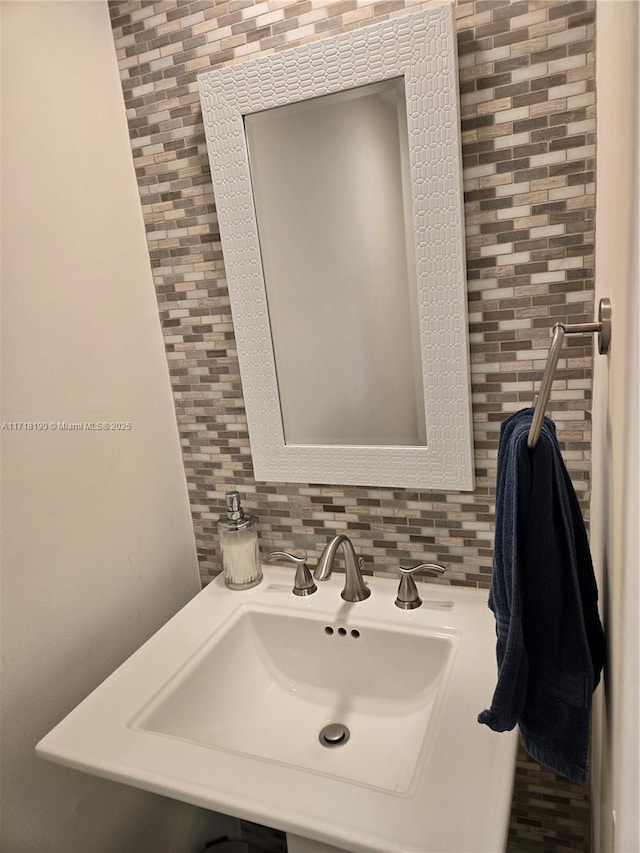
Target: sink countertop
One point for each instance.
(459, 798)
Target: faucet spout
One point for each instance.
(355, 588)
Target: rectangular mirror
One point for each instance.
(342, 309)
(336, 172)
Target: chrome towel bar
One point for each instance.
(602, 328)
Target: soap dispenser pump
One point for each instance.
(239, 544)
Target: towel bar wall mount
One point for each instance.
(602, 327)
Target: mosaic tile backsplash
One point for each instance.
(527, 84)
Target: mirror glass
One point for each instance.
(333, 205)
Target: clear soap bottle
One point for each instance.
(239, 544)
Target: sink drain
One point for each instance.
(333, 735)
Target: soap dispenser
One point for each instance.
(239, 543)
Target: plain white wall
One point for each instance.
(97, 543)
(615, 504)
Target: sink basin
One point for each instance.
(268, 682)
(228, 705)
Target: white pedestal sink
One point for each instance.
(269, 683)
(224, 707)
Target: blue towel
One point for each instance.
(550, 644)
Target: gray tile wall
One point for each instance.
(528, 124)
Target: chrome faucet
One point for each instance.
(355, 588)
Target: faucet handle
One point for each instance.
(431, 568)
(408, 597)
(303, 584)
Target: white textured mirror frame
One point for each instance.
(421, 49)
